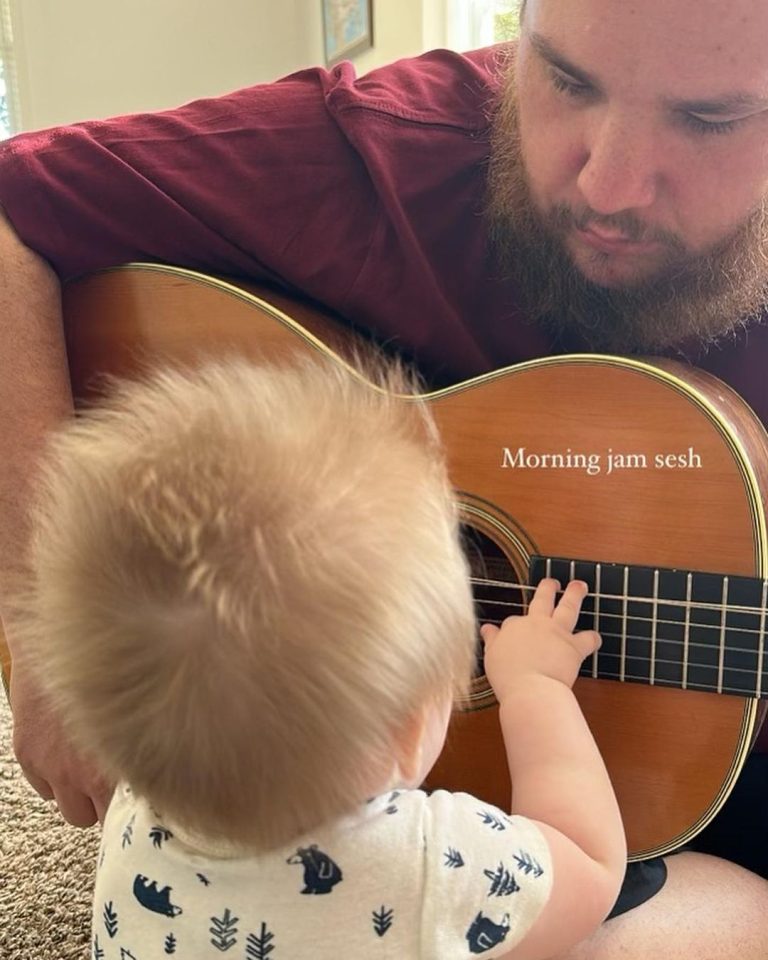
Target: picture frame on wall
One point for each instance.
(347, 28)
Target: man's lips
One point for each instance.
(605, 240)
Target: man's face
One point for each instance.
(644, 126)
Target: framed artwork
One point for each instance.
(348, 28)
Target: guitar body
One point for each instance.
(673, 754)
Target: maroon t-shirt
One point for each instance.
(365, 194)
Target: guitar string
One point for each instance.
(687, 644)
(660, 601)
(673, 684)
(659, 641)
(659, 621)
(663, 681)
(683, 681)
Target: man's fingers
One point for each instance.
(38, 784)
(76, 808)
(102, 801)
(79, 808)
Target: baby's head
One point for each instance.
(248, 592)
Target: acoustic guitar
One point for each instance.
(645, 479)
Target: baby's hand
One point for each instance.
(542, 643)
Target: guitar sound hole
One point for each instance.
(494, 583)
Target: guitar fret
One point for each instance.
(654, 624)
(721, 651)
(624, 624)
(596, 615)
(687, 630)
(761, 642)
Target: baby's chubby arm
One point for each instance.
(558, 776)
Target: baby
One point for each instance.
(249, 600)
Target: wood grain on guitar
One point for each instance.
(589, 458)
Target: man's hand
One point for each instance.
(35, 397)
(49, 761)
(540, 644)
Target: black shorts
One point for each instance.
(642, 880)
(739, 833)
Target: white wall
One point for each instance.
(96, 58)
(403, 28)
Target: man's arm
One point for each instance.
(34, 396)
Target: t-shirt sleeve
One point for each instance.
(243, 184)
(488, 876)
(364, 194)
(287, 180)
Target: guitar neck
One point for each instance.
(671, 628)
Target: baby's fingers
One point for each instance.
(488, 631)
(587, 642)
(567, 611)
(543, 600)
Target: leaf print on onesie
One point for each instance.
(224, 930)
(109, 916)
(382, 920)
(158, 835)
(453, 859)
(528, 864)
(259, 948)
(503, 882)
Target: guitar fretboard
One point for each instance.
(672, 628)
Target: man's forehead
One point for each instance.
(721, 45)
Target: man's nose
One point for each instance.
(619, 171)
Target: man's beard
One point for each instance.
(696, 298)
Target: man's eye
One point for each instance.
(567, 85)
(699, 125)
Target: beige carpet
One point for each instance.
(46, 870)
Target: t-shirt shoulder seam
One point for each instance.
(390, 112)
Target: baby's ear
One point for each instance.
(408, 746)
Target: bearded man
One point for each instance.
(600, 187)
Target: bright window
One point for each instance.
(10, 120)
(479, 23)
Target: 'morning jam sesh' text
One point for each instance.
(595, 463)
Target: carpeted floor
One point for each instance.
(46, 870)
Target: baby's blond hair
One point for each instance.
(244, 579)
